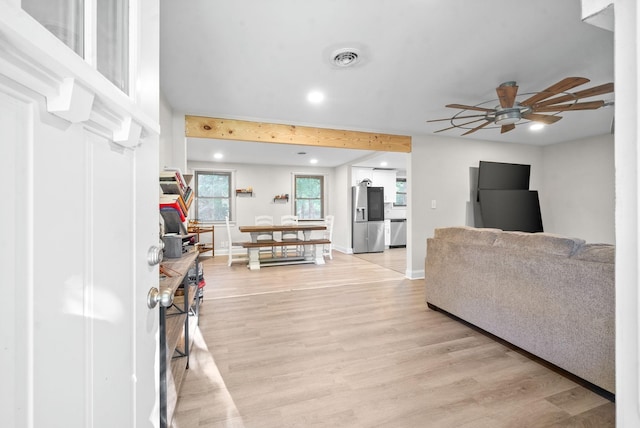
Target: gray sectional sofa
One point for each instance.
(549, 295)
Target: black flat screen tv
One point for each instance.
(503, 176)
(511, 210)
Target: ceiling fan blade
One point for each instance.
(507, 95)
(457, 126)
(591, 92)
(464, 107)
(542, 118)
(591, 105)
(457, 117)
(478, 127)
(562, 86)
(507, 128)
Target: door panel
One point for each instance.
(376, 236)
(82, 342)
(145, 330)
(16, 390)
(112, 290)
(375, 196)
(360, 237)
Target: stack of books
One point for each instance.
(176, 195)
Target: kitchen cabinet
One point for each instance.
(387, 179)
(358, 174)
(379, 178)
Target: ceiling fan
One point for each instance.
(509, 112)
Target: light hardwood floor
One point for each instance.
(352, 344)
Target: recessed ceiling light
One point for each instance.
(383, 163)
(218, 156)
(315, 97)
(536, 126)
(313, 161)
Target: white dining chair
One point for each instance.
(286, 220)
(234, 256)
(265, 220)
(327, 249)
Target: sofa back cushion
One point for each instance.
(603, 253)
(467, 235)
(539, 242)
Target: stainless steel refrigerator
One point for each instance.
(368, 219)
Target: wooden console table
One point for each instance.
(175, 335)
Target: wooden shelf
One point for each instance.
(177, 326)
(197, 228)
(244, 192)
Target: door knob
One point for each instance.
(155, 296)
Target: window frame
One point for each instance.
(395, 204)
(232, 200)
(323, 194)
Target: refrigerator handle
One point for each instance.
(361, 214)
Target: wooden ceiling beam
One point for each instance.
(242, 130)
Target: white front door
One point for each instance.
(79, 212)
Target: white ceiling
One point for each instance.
(257, 60)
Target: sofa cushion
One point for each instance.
(539, 242)
(604, 253)
(467, 235)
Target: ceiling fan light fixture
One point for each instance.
(508, 116)
(511, 110)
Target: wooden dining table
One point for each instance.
(312, 247)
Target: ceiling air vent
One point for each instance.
(345, 57)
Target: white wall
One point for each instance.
(267, 181)
(341, 208)
(440, 171)
(578, 184)
(575, 181)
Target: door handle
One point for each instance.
(155, 296)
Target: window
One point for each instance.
(213, 193)
(309, 197)
(63, 18)
(112, 41)
(96, 30)
(401, 192)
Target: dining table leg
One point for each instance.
(254, 258)
(319, 256)
(308, 252)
